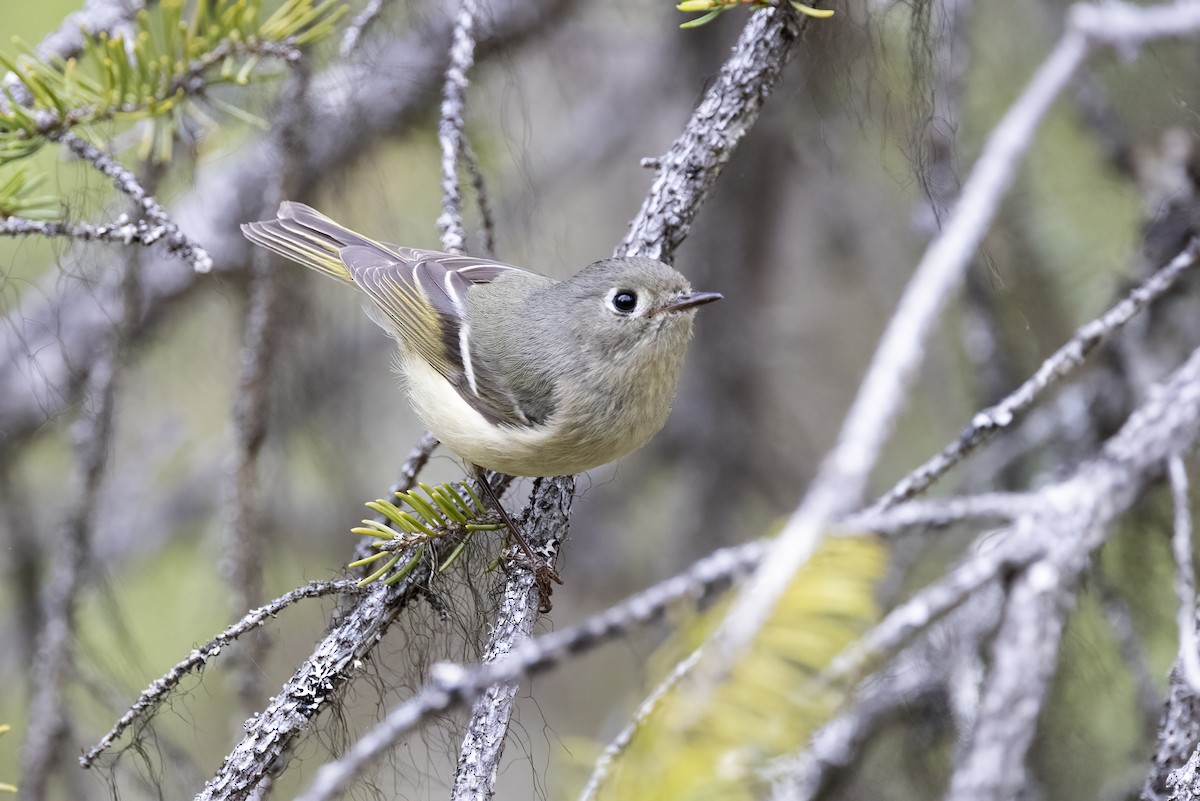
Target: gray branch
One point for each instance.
(729, 109)
(175, 240)
(1062, 363)
(483, 744)
(153, 696)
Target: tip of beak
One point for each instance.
(690, 300)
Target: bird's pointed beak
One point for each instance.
(688, 300)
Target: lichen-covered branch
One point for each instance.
(487, 730)
(689, 169)
(157, 692)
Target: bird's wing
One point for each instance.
(423, 296)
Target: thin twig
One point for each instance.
(176, 241)
(1060, 364)
(941, 512)
(121, 232)
(156, 693)
(265, 329)
(1185, 573)
(689, 169)
(487, 218)
(620, 743)
(359, 26)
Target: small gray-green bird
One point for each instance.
(511, 370)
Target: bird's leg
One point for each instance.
(543, 571)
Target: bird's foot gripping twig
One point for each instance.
(544, 574)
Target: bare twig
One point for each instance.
(941, 512)
(156, 693)
(121, 232)
(265, 328)
(621, 742)
(1060, 364)
(359, 26)
(1185, 574)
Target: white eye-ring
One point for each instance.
(622, 301)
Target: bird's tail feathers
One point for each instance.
(305, 235)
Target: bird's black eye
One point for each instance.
(623, 301)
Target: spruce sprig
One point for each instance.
(432, 512)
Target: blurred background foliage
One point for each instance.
(811, 234)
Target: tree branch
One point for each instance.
(729, 109)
